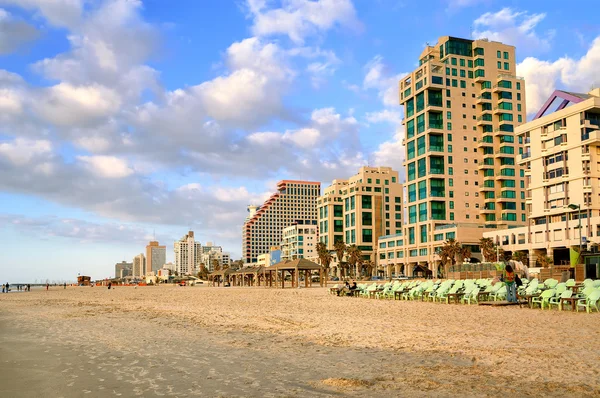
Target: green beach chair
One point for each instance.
(543, 299)
(557, 300)
(590, 303)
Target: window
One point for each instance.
(367, 235)
(499, 54)
(423, 212)
(412, 215)
(422, 190)
(411, 172)
(462, 62)
(518, 85)
(454, 72)
(506, 66)
(410, 131)
(499, 64)
(505, 55)
(367, 218)
(366, 202)
(421, 166)
(423, 233)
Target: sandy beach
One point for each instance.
(245, 342)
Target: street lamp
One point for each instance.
(573, 206)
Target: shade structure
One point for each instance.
(219, 277)
(294, 268)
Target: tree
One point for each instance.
(545, 261)
(215, 263)
(203, 273)
(354, 257)
(488, 249)
(325, 258)
(217, 267)
(521, 257)
(448, 253)
(369, 266)
(340, 249)
(464, 253)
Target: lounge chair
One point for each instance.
(590, 303)
(471, 297)
(543, 299)
(557, 300)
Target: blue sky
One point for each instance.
(125, 119)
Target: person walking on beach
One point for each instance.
(65, 285)
(47, 286)
(28, 287)
(511, 286)
(7, 287)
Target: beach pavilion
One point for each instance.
(294, 268)
(219, 277)
(247, 276)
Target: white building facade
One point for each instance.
(188, 255)
(299, 241)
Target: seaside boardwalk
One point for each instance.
(253, 342)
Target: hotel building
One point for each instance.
(461, 106)
(360, 209)
(156, 257)
(564, 135)
(188, 255)
(299, 241)
(294, 201)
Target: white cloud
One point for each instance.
(385, 116)
(14, 33)
(22, 151)
(543, 77)
(298, 19)
(391, 153)
(106, 166)
(68, 105)
(512, 27)
(58, 12)
(378, 76)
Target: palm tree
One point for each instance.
(354, 258)
(340, 249)
(325, 257)
(369, 266)
(448, 253)
(464, 253)
(545, 261)
(215, 263)
(488, 248)
(520, 256)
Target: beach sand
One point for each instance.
(251, 342)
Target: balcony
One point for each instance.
(483, 99)
(593, 138)
(587, 188)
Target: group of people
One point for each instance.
(347, 289)
(24, 288)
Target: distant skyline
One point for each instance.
(123, 117)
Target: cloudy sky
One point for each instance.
(121, 119)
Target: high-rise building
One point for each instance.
(139, 266)
(461, 106)
(156, 256)
(293, 201)
(123, 269)
(188, 254)
(210, 253)
(360, 209)
(299, 241)
(564, 135)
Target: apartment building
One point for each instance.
(139, 266)
(294, 201)
(212, 252)
(560, 196)
(156, 257)
(360, 209)
(299, 241)
(188, 254)
(123, 269)
(461, 106)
